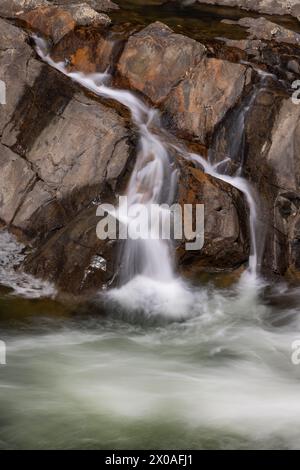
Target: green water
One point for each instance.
(108, 375)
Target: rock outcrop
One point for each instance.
(62, 149)
(226, 241)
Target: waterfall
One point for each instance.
(153, 173)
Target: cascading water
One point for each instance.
(224, 378)
(147, 262)
(153, 172)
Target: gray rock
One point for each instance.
(16, 178)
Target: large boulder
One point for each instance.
(199, 103)
(156, 59)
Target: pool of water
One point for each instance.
(149, 365)
(200, 22)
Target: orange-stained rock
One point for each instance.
(87, 50)
(156, 59)
(56, 22)
(199, 103)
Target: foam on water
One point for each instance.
(22, 284)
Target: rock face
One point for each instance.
(59, 151)
(62, 149)
(55, 22)
(226, 243)
(155, 60)
(262, 137)
(197, 105)
(283, 157)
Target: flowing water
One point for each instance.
(158, 362)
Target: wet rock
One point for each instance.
(55, 22)
(226, 245)
(72, 147)
(16, 178)
(263, 138)
(74, 258)
(156, 59)
(88, 51)
(199, 103)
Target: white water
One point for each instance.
(223, 378)
(153, 172)
(20, 283)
